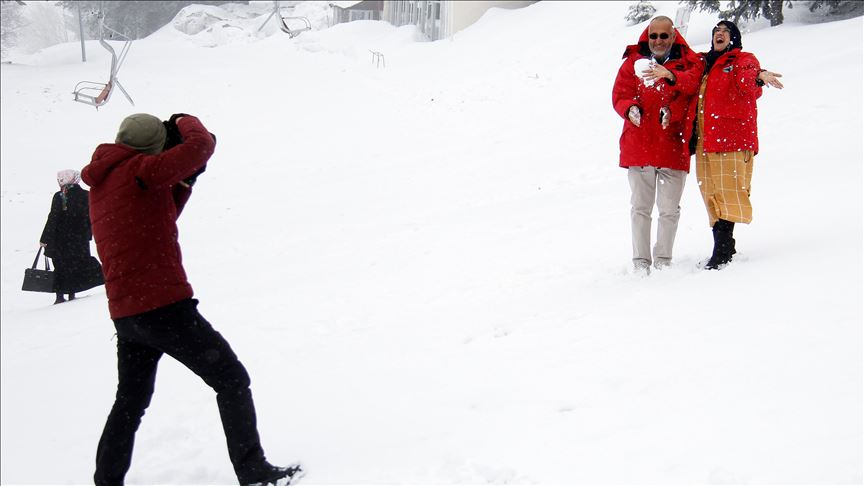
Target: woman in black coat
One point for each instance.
(66, 237)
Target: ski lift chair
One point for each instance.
(97, 94)
(299, 29)
(301, 24)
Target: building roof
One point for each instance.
(345, 4)
(359, 5)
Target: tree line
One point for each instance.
(738, 10)
(134, 19)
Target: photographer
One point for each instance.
(138, 188)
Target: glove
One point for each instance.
(634, 115)
(665, 116)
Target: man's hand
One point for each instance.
(43, 245)
(770, 79)
(665, 115)
(657, 72)
(634, 115)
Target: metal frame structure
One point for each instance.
(378, 59)
(97, 94)
(283, 25)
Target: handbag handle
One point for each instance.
(36, 260)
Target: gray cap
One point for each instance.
(143, 132)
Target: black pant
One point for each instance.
(181, 332)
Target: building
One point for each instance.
(437, 19)
(348, 11)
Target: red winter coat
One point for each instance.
(135, 200)
(730, 104)
(649, 143)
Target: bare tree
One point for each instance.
(11, 20)
(134, 19)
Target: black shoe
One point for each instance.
(718, 261)
(71, 296)
(280, 476)
(59, 299)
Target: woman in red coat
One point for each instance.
(725, 135)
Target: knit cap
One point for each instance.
(143, 132)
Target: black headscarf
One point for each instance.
(735, 43)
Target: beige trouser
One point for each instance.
(647, 185)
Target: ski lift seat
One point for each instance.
(296, 31)
(101, 92)
(302, 23)
(97, 94)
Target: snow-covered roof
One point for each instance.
(345, 4)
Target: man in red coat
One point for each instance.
(725, 139)
(652, 93)
(138, 187)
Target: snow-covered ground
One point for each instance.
(425, 267)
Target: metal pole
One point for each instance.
(81, 34)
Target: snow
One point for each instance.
(425, 267)
(640, 66)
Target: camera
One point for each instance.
(172, 133)
(173, 138)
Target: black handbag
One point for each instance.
(36, 280)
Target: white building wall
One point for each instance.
(439, 19)
(466, 12)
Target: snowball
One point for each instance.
(641, 65)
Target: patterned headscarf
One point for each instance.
(66, 179)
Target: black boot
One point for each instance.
(724, 245)
(280, 476)
(59, 299)
(72, 296)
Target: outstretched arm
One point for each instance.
(769, 78)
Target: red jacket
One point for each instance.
(730, 104)
(135, 200)
(649, 143)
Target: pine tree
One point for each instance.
(773, 9)
(839, 9)
(640, 12)
(744, 9)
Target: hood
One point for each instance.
(642, 47)
(734, 35)
(106, 157)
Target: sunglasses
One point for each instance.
(663, 36)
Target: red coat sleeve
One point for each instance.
(624, 91)
(748, 66)
(181, 194)
(174, 165)
(686, 85)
